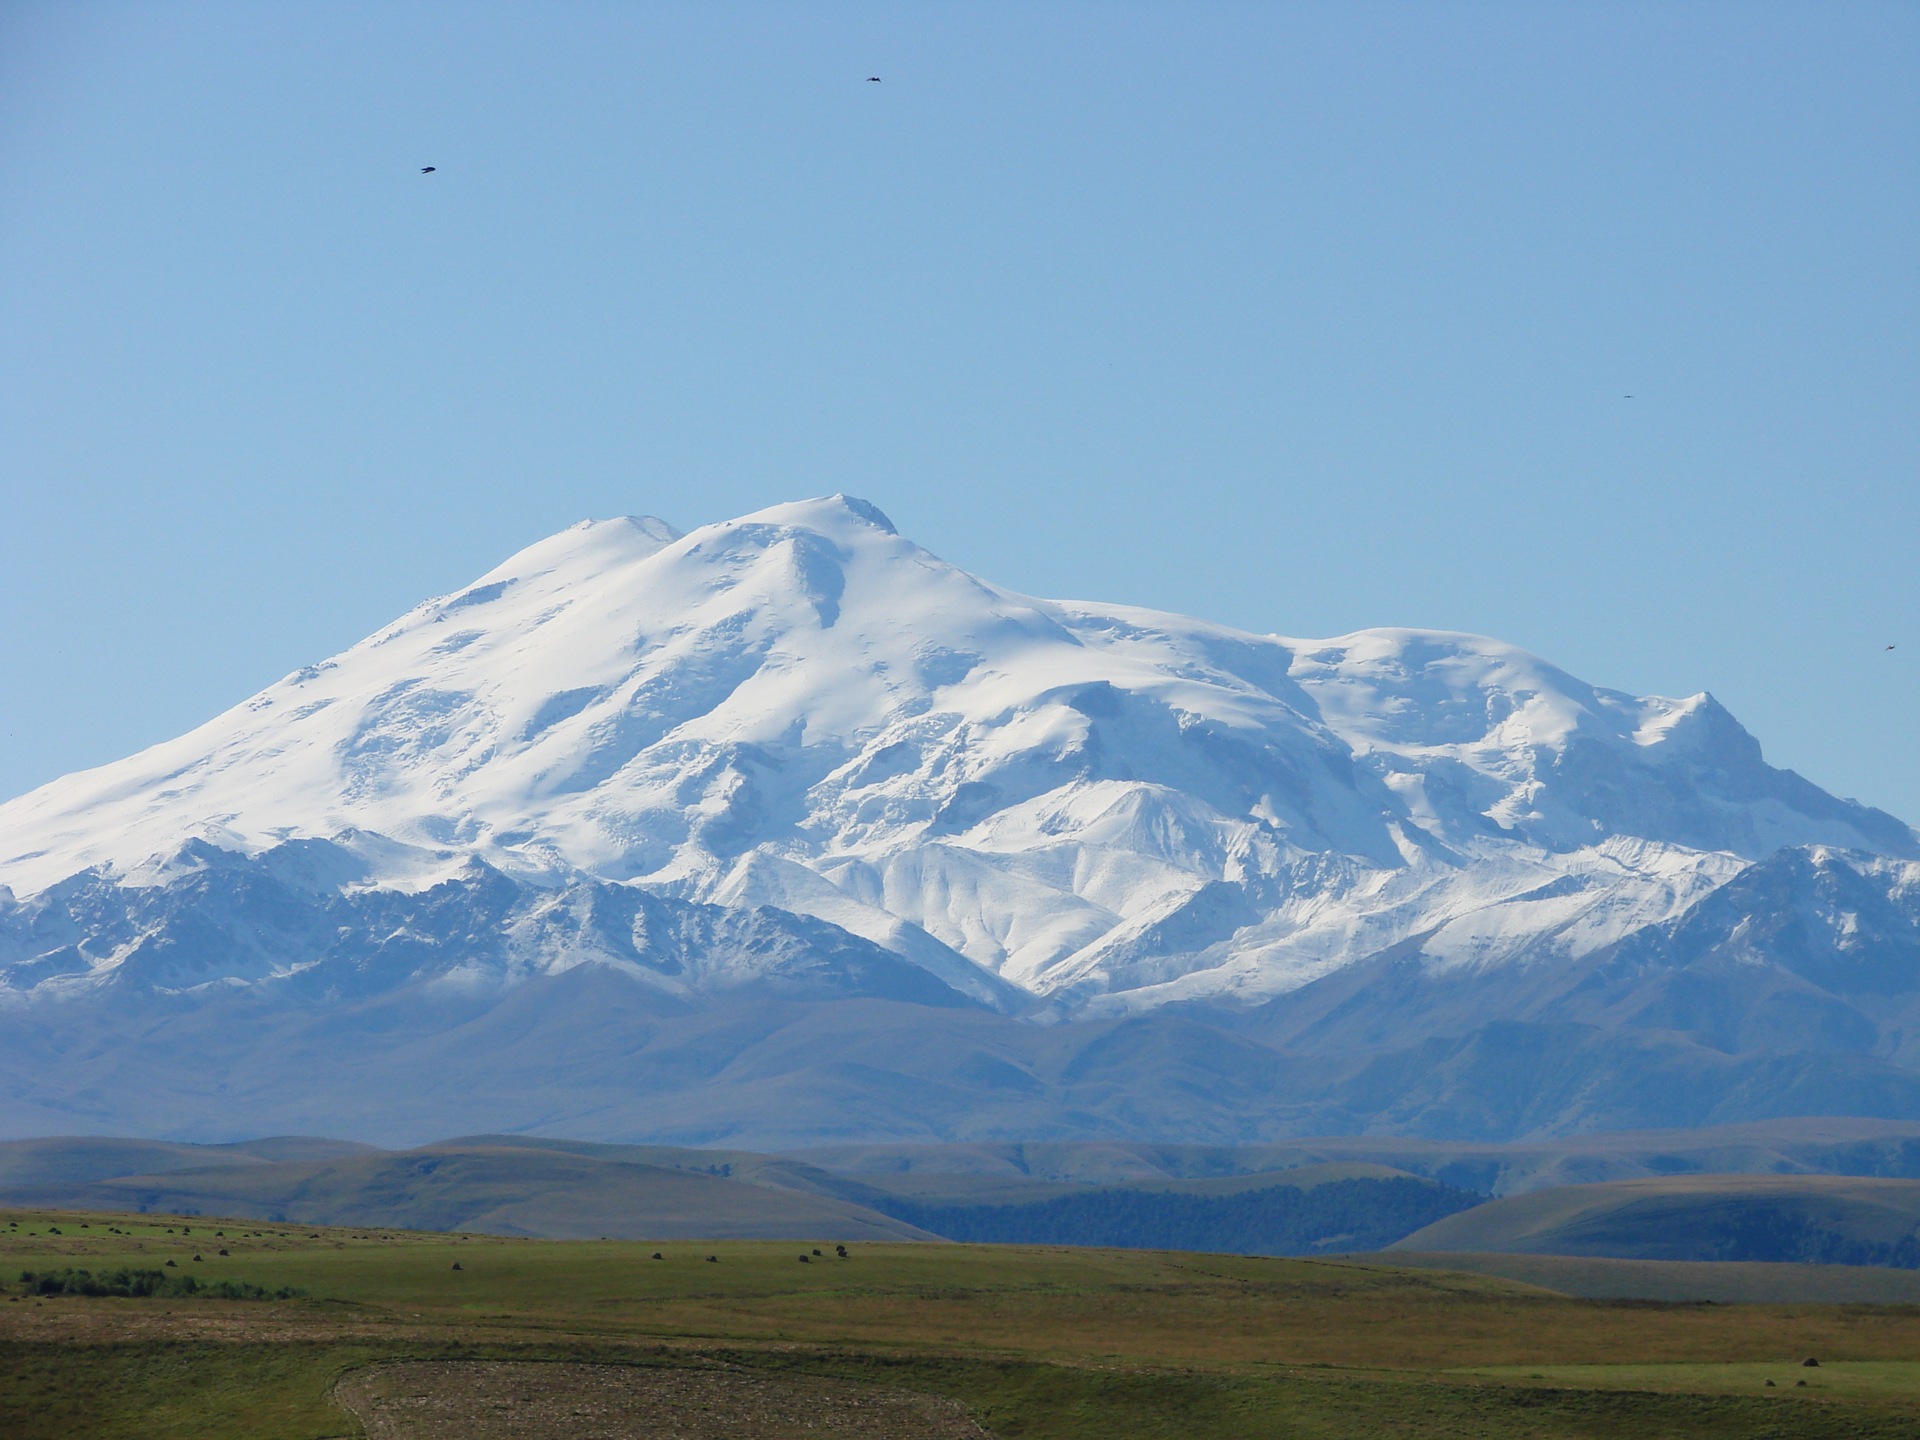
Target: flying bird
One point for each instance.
(428, 169)
(873, 79)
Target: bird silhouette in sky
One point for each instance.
(428, 169)
(873, 79)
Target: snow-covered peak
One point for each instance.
(803, 708)
(592, 546)
(839, 515)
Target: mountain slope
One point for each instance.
(216, 918)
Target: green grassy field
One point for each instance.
(1034, 1342)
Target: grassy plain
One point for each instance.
(1036, 1342)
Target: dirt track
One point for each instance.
(509, 1400)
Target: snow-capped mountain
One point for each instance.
(803, 709)
(797, 755)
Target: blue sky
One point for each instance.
(1300, 317)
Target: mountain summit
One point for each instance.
(1066, 810)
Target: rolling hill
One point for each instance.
(1263, 1199)
(1817, 1145)
(1831, 1219)
(514, 1189)
(513, 1185)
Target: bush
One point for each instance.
(147, 1284)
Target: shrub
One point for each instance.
(147, 1284)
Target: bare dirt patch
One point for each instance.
(497, 1399)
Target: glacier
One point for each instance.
(795, 759)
